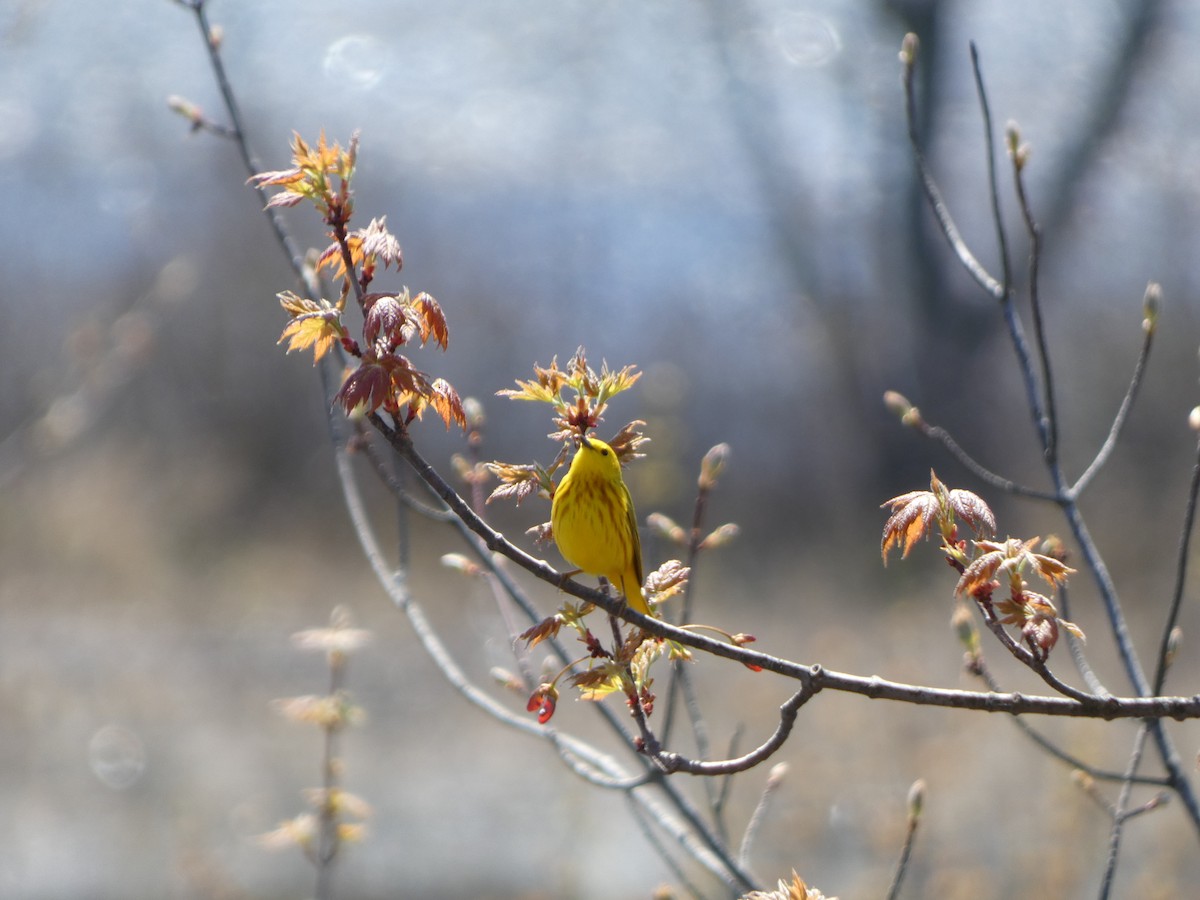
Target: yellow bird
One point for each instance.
(594, 524)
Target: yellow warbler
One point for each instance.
(594, 524)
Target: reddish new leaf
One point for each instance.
(432, 320)
(367, 387)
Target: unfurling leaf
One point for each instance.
(366, 388)
(1010, 558)
(974, 511)
(912, 514)
(298, 832)
(599, 682)
(547, 628)
(667, 580)
(627, 442)
(446, 403)
(431, 320)
(796, 889)
(320, 331)
(313, 324)
(388, 322)
(377, 243)
(517, 481)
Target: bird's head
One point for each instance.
(596, 457)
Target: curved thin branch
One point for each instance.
(282, 236)
(1075, 647)
(673, 762)
(1025, 656)
(754, 823)
(1016, 332)
(984, 474)
(993, 181)
(1120, 814)
(934, 194)
(393, 484)
(915, 801)
(1035, 303)
(1118, 424)
(1181, 565)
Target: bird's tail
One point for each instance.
(631, 587)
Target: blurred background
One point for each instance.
(720, 193)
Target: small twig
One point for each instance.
(393, 483)
(754, 823)
(1118, 424)
(282, 235)
(942, 436)
(1035, 304)
(1030, 659)
(1033, 390)
(726, 785)
(673, 762)
(327, 828)
(681, 683)
(993, 182)
(1119, 818)
(1075, 647)
(681, 680)
(1181, 565)
(932, 192)
(916, 802)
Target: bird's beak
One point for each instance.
(584, 440)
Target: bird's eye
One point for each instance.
(604, 453)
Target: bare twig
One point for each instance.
(932, 192)
(1031, 660)
(916, 803)
(1181, 566)
(1018, 154)
(984, 474)
(1034, 396)
(1119, 816)
(282, 236)
(1118, 423)
(673, 762)
(1075, 648)
(754, 823)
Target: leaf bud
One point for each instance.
(1151, 306)
(712, 466)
